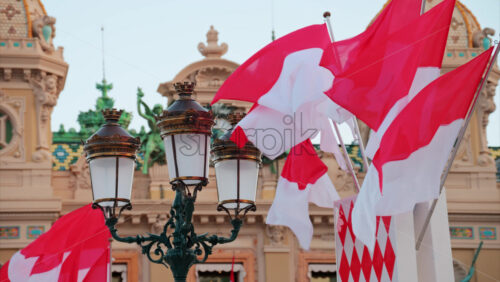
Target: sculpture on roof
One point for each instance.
(482, 39)
(212, 49)
(151, 143)
(44, 29)
(92, 120)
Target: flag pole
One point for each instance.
(422, 9)
(455, 148)
(326, 15)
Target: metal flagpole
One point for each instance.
(326, 15)
(422, 9)
(454, 150)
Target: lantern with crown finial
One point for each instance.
(185, 127)
(237, 171)
(111, 154)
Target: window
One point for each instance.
(219, 272)
(119, 272)
(222, 276)
(322, 272)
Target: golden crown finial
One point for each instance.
(184, 88)
(112, 115)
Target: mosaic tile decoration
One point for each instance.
(34, 232)
(9, 232)
(66, 154)
(355, 155)
(13, 19)
(461, 232)
(487, 233)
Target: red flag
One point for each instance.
(76, 248)
(231, 275)
(415, 148)
(304, 179)
(260, 73)
(290, 103)
(377, 68)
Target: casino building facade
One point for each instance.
(43, 174)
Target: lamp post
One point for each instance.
(185, 128)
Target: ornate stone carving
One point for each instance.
(80, 174)
(481, 39)
(44, 29)
(11, 128)
(46, 91)
(212, 49)
(464, 154)
(212, 76)
(275, 234)
(485, 107)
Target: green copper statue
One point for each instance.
(91, 120)
(152, 144)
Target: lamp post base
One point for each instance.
(180, 261)
(181, 248)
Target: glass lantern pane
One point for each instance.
(191, 156)
(103, 175)
(249, 173)
(125, 178)
(226, 175)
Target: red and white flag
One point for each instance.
(379, 67)
(76, 248)
(278, 70)
(355, 262)
(304, 179)
(429, 68)
(415, 148)
(287, 84)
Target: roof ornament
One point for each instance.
(212, 49)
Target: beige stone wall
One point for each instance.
(6, 254)
(487, 265)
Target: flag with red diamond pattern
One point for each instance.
(354, 260)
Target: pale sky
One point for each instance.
(149, 42)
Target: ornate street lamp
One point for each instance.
(236, 168)
(185, 128)
(111, 154)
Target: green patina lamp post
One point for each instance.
(186, 129)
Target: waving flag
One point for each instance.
(76, 248)
(266, 73)
(287, 83)
(415, 148)
(380, 68)
(304, 179)
(275, 133)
